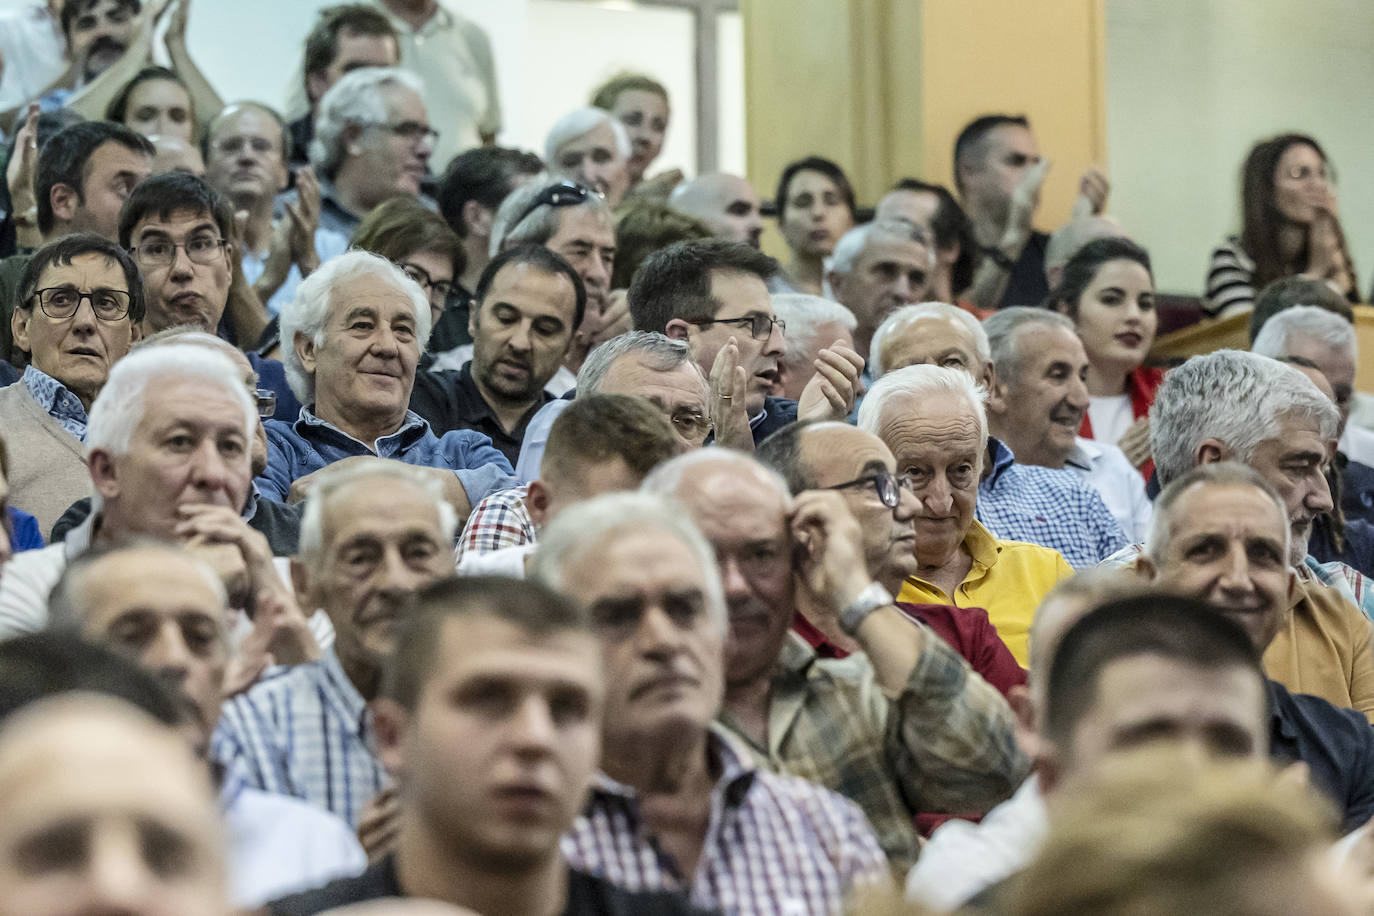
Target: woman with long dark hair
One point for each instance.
(1289, 226)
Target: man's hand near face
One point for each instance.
(241, 556)
(729, 390)
(831, 572)
(832, 390)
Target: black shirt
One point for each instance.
(588, 895)
(448, 399)
(1336, 744)
(1027, 284)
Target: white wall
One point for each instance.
(1191, 85)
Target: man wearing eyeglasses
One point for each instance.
(178, 230)
(860, 467)
(900, 727)
(79, 307)
(713, 294)
(362, 160)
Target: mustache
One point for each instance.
(107, 43)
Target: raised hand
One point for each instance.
(831, 393)
(729, 390)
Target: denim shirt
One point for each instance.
(308, 444)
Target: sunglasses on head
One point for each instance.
(563, 194)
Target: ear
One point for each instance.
(19, 327)
(677, 329)
(104, 474)
(351, 135)
(1210, 451)
(300, 584)
(537, 502)
(997, 392)
(988, 377)
(477, 219)
(305, 351)
(1048, 766)
(1146, 569)
(389, 720)
(64, 200)
(1019, 698)
(315, 86)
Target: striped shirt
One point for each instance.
(1230, 279)
(500, 520)
(774, 844)
(304, 731)
(1047, 506)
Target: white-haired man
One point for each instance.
(813, 323)
(1038, 399)
(168, 611)
(679, 804)
(352, 338)
(373, 532)
(932, 419)
(576, 223)
(642, 363)
(169, 447)
(903, 726)
(878, 267)
(727, 204)
(372, 142)
(591, 147)
(1016, 500)
(1329, 341)
(1237, 406)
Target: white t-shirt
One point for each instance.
(1110, 417)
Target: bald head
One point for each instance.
(727, 204)
(172, 153)
(111, 796)
(1072, 236)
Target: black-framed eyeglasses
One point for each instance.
(62, 302)
(412, 131)
(203, 249)
(445, 288)
(760, 325)
(887, 485)
(563, 194)
(267, 402)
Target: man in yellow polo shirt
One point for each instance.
(932, 418)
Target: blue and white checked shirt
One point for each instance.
(304, 731)
(53, 396)
(775, 845)
(1049, 507)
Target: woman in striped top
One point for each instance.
(1289, 227)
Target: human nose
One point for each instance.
(1235, 573)
(533, 725)
(117, 878)
(168, 654)
(658, 637)
(907, 504)
(594, 272)
(209, 470)
(1318, 498)
(1078, 395)
(938, 496)
(520, 337)
(181, 262)
(776, 341)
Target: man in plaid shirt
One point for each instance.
(903, 726)
(679, 804)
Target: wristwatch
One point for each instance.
(999, 257)
(868, 601)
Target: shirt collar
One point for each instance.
(981, 544)
(413, 422)
(52, 395)
(1084, 454)
(737, 770)
(347, 694)
(1000, 457)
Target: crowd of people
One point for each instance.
(393, 515)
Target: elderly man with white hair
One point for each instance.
(680, 804)
(878, 267)
(374, 531)
(351, 339)
(591, 147)
(1237, 406)
(902, 726)
(169, 447)
(1016, 500)
(1329, 341)
(373, 141)
(932, 418)
(813, 323)
(574, 222)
